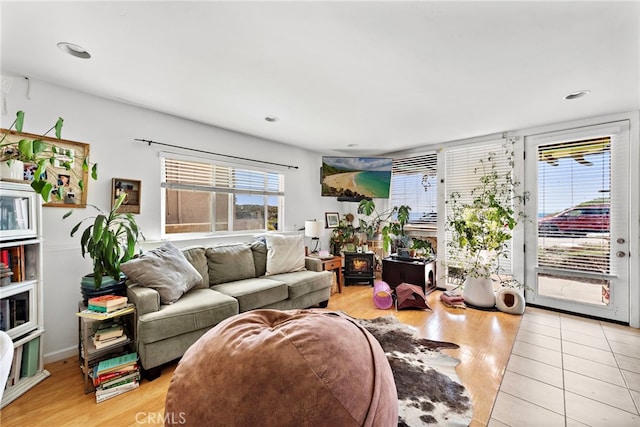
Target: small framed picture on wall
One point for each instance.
(332, 219)
(132, 188)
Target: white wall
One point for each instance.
(110, 128)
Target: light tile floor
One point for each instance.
(570, 371)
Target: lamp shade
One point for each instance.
(313, 228)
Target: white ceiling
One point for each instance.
(386, 76)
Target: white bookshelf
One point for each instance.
(21, 299)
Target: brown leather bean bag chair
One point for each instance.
(284, 368)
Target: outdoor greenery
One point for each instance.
(110, 239)
(38, 152)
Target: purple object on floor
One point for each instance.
(382, 297)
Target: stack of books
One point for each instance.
(107, 303)
(13, 258)
(115, 376)
(109, 334)
(5, 274)
(106, 306)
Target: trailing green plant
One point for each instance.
(38, 152)
(110, 239)
(482, 226)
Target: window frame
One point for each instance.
(411, 163)
(231, 192)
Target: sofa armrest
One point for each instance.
(313, 264)
(147, 300)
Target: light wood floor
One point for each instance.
(485, 340)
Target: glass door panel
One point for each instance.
(579, 183)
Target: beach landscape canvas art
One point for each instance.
(356, 177)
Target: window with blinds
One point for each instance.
(414, 183)
(203, 197)
(574, 203)
(463, 168)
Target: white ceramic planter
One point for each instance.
(15, 172)
(479, 292)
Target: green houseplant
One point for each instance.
(34, 150)
(375, 223)
(372, 221)
(422, 247)
(109, 239)
(342, 234)
(481, 227)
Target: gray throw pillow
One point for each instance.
(164, 269)
(228, 263)
(196, 255)
(259, 250)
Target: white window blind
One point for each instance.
(463, 168)
(574, 205)
(414, 183)
(190, 175)
(206, 197)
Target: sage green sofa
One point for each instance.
(234, 280)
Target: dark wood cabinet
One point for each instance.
(416, 272)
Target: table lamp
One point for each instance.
(313, 229)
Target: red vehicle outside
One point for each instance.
(576, 220)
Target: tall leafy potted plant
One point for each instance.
(375, 223)
(481, 228)
(372, 221)
(32, 149)
(394, 231)
(109, 239)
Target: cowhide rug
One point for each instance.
(429, 391)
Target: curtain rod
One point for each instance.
(215, 154)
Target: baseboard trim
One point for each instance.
(60, 354)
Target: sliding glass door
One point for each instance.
(577, 236)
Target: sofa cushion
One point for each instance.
(228, 263)
(164, 269)
(197, 309)
(197, 256)
(284, 253)
(254, 293)
(259, 250)
(304, 282)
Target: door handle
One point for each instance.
(621, 254)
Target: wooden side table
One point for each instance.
(333, 264)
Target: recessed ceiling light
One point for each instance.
(352, 145)
(578, 94)
(74, 50)
(271, 119)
